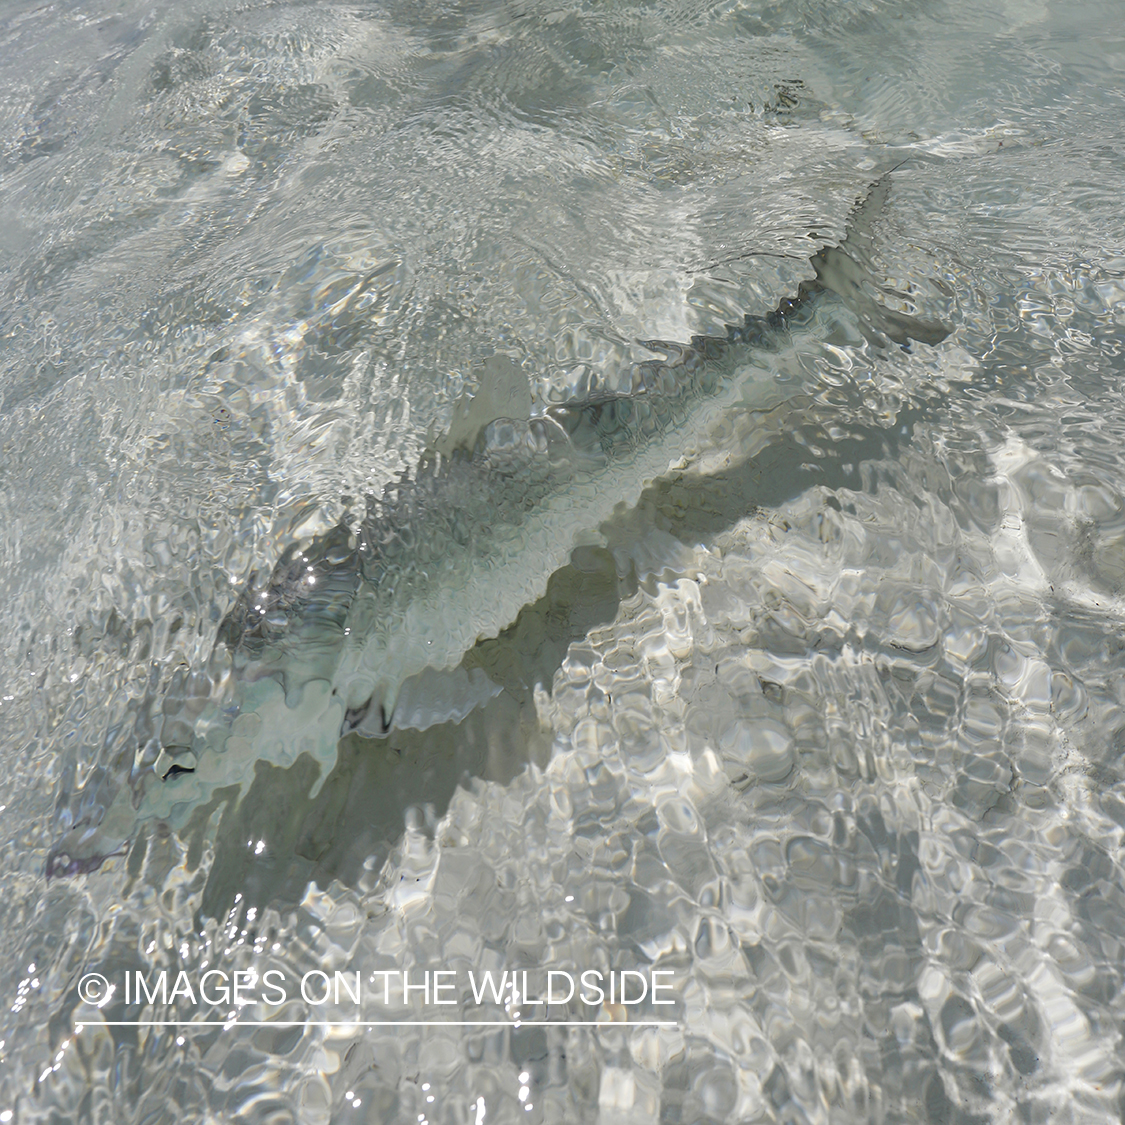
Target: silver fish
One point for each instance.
(364, 628)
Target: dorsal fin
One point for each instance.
(503, 392)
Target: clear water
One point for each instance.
(827, 719)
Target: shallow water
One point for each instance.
(826, 719)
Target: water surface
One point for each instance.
(827, 718)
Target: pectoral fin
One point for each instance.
(427, 699)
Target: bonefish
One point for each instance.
(352, 631)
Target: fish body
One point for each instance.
(364, 618)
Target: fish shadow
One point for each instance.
(270, 844)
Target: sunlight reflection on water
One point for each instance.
(825, 718)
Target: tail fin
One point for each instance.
(845, 270)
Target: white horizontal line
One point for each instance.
(376, 1023)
